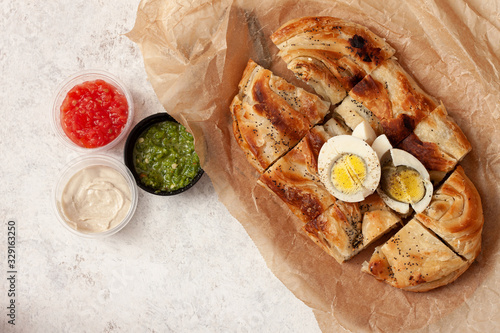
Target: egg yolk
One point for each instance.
(403, 184)
(348, 173)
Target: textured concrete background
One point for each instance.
(183, 264)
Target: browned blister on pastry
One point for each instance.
(294, 177)
(271, 115)
(345, 228)
(437, 142)
(330, 54)
(394, 97)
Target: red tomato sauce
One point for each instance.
(94, 113)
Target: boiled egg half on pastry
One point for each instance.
(404, 180)
(353, 166)
(348, 166)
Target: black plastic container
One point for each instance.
(129, 152)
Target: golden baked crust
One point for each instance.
(437, 142)
(314, 72)
(330, 54)
(345, 229)
(338, 230)
(270, 115)
(378, 219)
(275, 123)
(456, 215)
(335, 127)
(353, 113)
(294, 177)
(395, 99)
(414, 259)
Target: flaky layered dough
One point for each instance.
(345, 229)
(456, 215)
(281, 129)
(270, 115)
(338, 230)
(437, 142)
(330, 54)
(294, 177)
(353, 113)
(415, 259)
(394, 97)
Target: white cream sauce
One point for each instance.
(95, 199)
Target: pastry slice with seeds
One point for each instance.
(414, 259)
(436, 246)
(455, 214)
(345, 229)
(294, 177)
(393, 97)
(330, 54)
(438, 143)
(270, 115)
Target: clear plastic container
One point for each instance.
(84, 162)
(67, 85)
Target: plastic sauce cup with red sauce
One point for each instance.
(92, 111)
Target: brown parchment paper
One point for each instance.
(194, 54)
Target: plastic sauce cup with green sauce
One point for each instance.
(160, 153)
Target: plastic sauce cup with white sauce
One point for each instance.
(88, 203)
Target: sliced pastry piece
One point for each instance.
(354, 113)
(346, 228)
(335, 127)
(456, 215)
(414, 259)
(438, 143)
(330, 54)
(294, 177)
(394, 97)
(378, 219)
(271, 115)
(338, 230)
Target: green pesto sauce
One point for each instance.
(164, 157)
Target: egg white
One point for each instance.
(381, 145)
(336, 147)
(402, 158)
(365, 132)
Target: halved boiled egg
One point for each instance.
(404, 182)
(349, 168)
(381, 145)
(365, 132)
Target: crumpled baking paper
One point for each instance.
(194, 54)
